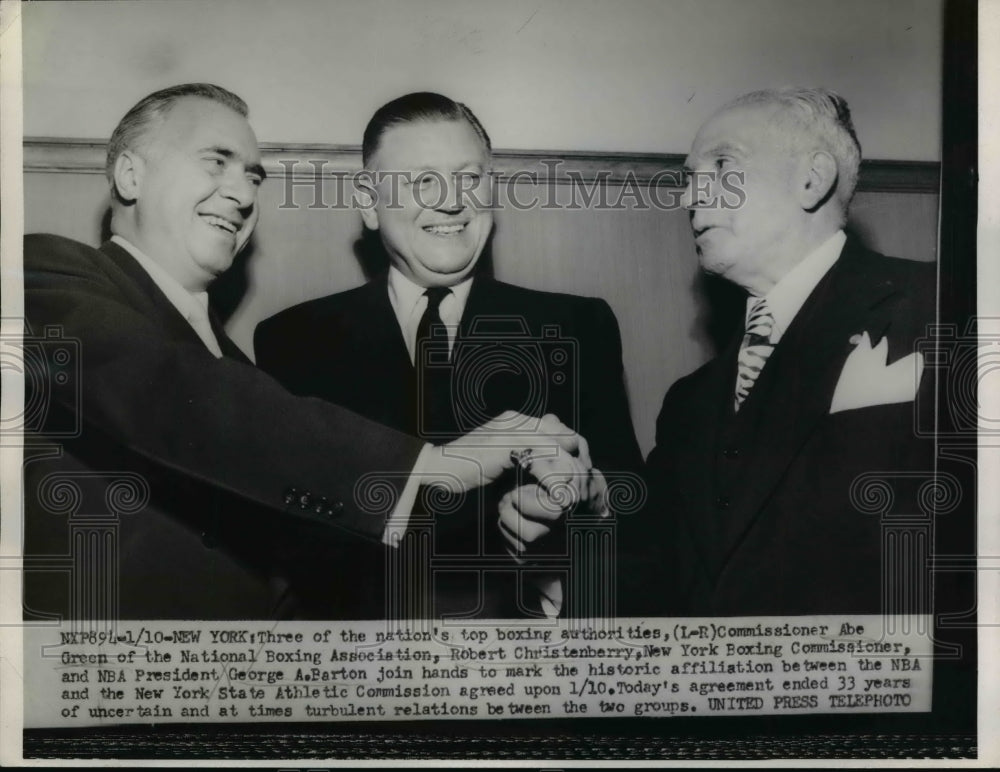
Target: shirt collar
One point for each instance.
(788, 296)
(180, 298)
(405, 295)
(408, 304)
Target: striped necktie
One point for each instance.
(754, 350)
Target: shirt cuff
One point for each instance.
(399, 519)
(550, 589)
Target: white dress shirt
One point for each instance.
(787, 297)
(409, 303)
(193, 306)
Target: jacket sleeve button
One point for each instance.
(290, 496)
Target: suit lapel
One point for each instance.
(486, 298)
(382, 329)
(226, 345)
(158, 304)
(495, 312)
(380, 362)
(799, 380)
(140, 286)
(711, 411)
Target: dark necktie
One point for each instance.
(431, 359)
(754, 350)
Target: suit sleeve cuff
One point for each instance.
(399, 520)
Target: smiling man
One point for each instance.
(431, 344)
(171, 477)
(429, 194)
(196, 177)
(767, 457)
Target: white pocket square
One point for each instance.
(867, 380)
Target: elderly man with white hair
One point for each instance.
(768, 457)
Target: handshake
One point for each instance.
(554, 473)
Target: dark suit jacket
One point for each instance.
(516, 349)
(755, 509)
(168, 473)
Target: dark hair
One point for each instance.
(420, 106)
(152, 109)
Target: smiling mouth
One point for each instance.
(221, 223)
(699, 232)
(445, 230)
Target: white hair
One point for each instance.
(819, 115)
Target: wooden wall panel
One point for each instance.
(898, 224)
(642, 262)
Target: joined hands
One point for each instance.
(549, 451)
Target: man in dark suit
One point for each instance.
(166, 476)
(431, 345)
(770, 459)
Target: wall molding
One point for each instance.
(84, 156)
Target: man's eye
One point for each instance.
(255, 180)
(723, 162)
(215, 161)
(423, 180)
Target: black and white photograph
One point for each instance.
(536, 381)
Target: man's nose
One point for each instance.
(688, 197)
(238, 187)
(698, 189)
(452, 198)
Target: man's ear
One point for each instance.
(128, 173)
(366, 197)
(818, 179)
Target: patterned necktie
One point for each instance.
(430, 357)
(754, 350)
